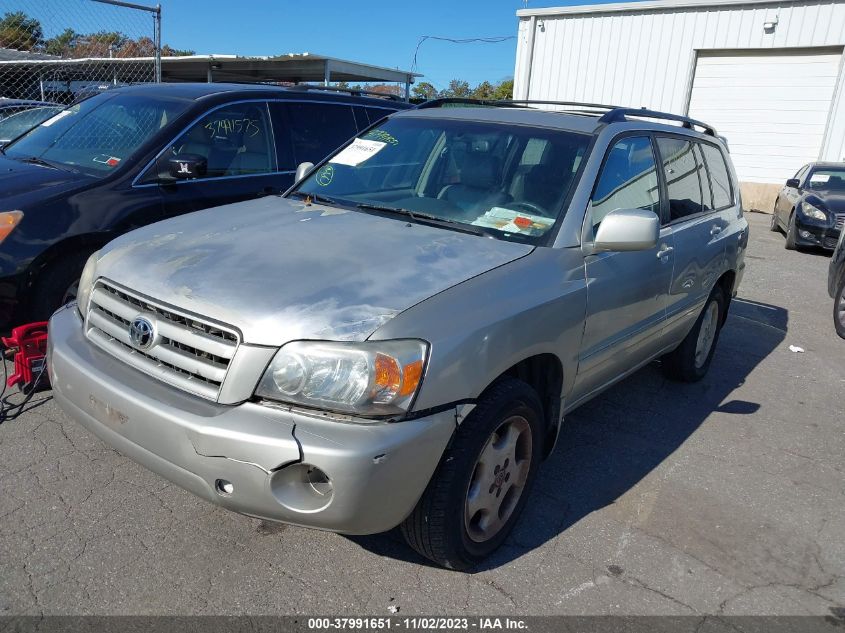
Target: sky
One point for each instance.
(379, 32)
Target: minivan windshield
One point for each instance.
(502, 180)
(827, 179)
(96, 135)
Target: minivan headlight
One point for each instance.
(369, 379)
(86, 284)
(813, 212)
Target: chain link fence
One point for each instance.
(64, 50)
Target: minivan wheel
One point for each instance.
(791, 230)
(839, 309)
(57, 284)
(481, 484)
(690, 361)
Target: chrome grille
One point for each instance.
(839, 221)
(189, 353)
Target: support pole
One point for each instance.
(157, 20)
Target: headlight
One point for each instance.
(373, 378)
(8, 221)
(813, 212)
(86, 284)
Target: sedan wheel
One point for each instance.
(707, 334)
(839, 310)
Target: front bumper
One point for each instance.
(809, 234)
(377, 471)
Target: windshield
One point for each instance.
(508, 181)
(15, 125)
(96, 135)
(827, 179)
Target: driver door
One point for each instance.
(236, 142)
(627, 292)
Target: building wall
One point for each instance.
(645, 55)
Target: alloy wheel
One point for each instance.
(498, 479)
(707, 333)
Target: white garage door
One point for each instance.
(771, 106)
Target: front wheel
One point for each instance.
(57, 285)
(774, 227)
(481, 484)
(839, 309)
(791, 232)
(690, 361)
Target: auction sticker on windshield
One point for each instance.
(359, 151)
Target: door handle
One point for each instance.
(715, 231)
(664, 251)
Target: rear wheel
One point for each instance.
(839, 309)
(791, 231)
(690, 361)
(57, 285)
(774, 227)
(481, 485)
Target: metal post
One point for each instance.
(208, 77)
(157, 18)
(408, 88)
(327, 74)
(41, 81)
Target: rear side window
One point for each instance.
(317, 129)
(628, 179)
(681, 172)
(719, 178)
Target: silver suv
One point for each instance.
(397, 339)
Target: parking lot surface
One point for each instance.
(724, 496)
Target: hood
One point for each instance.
(279, 270)
(21, 181)
(833, 201)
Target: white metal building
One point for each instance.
(768, 74)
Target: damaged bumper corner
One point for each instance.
(279, 465)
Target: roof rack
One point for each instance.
(619, 115)
(352, 91)
(506, 103)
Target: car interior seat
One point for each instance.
(478, 186)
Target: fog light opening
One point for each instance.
(319, 481)
(805, 234)
(224, 487)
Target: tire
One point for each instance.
(443, 527)
(689, 362)
(839, 309)
(774, 227)
(53, 284)
(791, 230)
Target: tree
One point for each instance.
(424, 90)
(457, 89)
(20, 32)
(504, 90)
(484, 90)
(61, 43)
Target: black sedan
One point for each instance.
(810, 208)
(836, 285)
(135, 155)
(9, 107)
(16, 124)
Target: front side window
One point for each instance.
(97, 135)
(628, 180)
(235, 140)
(505, 181)
(826, 179)
(682, 177)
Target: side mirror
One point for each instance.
(187, 166)
(302, 171)
(627, 230)
(793, 182)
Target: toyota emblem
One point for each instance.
(141, 333)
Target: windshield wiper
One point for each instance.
(316, 197)
(35, 160)
(426, 218)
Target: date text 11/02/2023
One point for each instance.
(417, 623)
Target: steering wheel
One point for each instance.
(531, 208)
